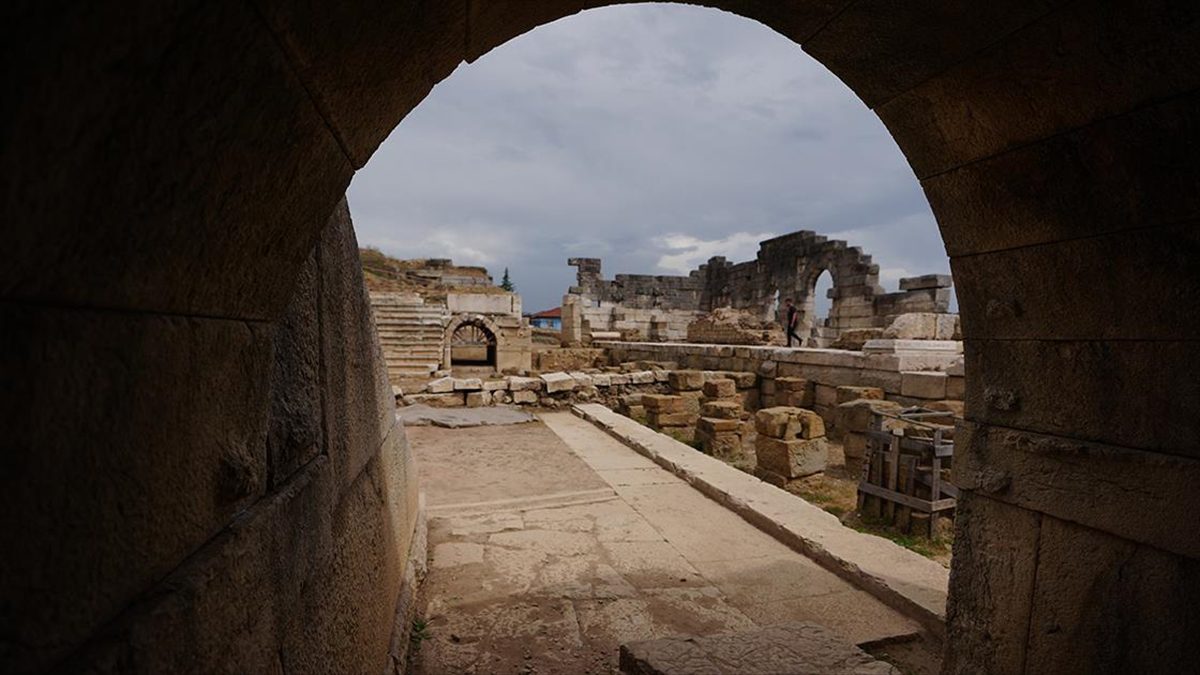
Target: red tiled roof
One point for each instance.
(555, 313)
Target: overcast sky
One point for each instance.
(652, 136)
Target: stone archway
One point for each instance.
(1057, 144)
(472, 340)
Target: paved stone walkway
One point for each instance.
(552, 544)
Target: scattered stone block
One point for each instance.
(525, 397)
(676, 419)
(524, 384)
(692, 401)
(641, 377)
(441, 385)
(476, 399)
(450, 400)
(722, 409)
(556, 382)
(717, 425)
(856, 416)
(581, 379)
(923, 384)
(468, 384)
(662, 403)
(846, 394)
(720, 389)
(791, 458)
(785, 422)
(854, 445)
(686, 380)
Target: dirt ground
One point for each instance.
(551, 544)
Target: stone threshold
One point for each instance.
(906, 581)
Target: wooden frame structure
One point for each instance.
(902, 479)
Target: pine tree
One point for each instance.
(507, 283)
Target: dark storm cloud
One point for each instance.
(651, 136)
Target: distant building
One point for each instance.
(551, 318)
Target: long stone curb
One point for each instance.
(910, 583)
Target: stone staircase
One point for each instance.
(410, 332)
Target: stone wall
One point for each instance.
(917, 372)
(243, 501)
(644, 307)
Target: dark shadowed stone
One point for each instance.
(788, 649)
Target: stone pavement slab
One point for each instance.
(901, 578)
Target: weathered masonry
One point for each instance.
(660, 307)
(198, 473)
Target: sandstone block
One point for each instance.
(720, 388)
(824, 394)
(926, 384)
(791, 384)
(581, 379)
(602, 380)
(677, 419)
(524, 384)
(846, 394)
(855, 416)
(468, 384)
(441, 385)
(926, 281)
(448, 400)
(686, 380)
(661, 375)
(716, 425)
(636, 412)
(662, 403)
(619, 379)
(785, 422)
(767, 369)
(476, 399)
(854, 445)
(641, 377)
(730, 410)
(691, 401)
(719, 445)
(556, 382)
(525, 397)
(793, 458)
(495, 385)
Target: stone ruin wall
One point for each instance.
(660, 307)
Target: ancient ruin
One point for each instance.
(675, 308)
(433, 316)
(203, 467)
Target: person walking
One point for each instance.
(792, 316)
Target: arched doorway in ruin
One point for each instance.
(1041, 133)
(818, 311)
(472, 343)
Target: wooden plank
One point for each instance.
(914, 502)
(893, 458)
